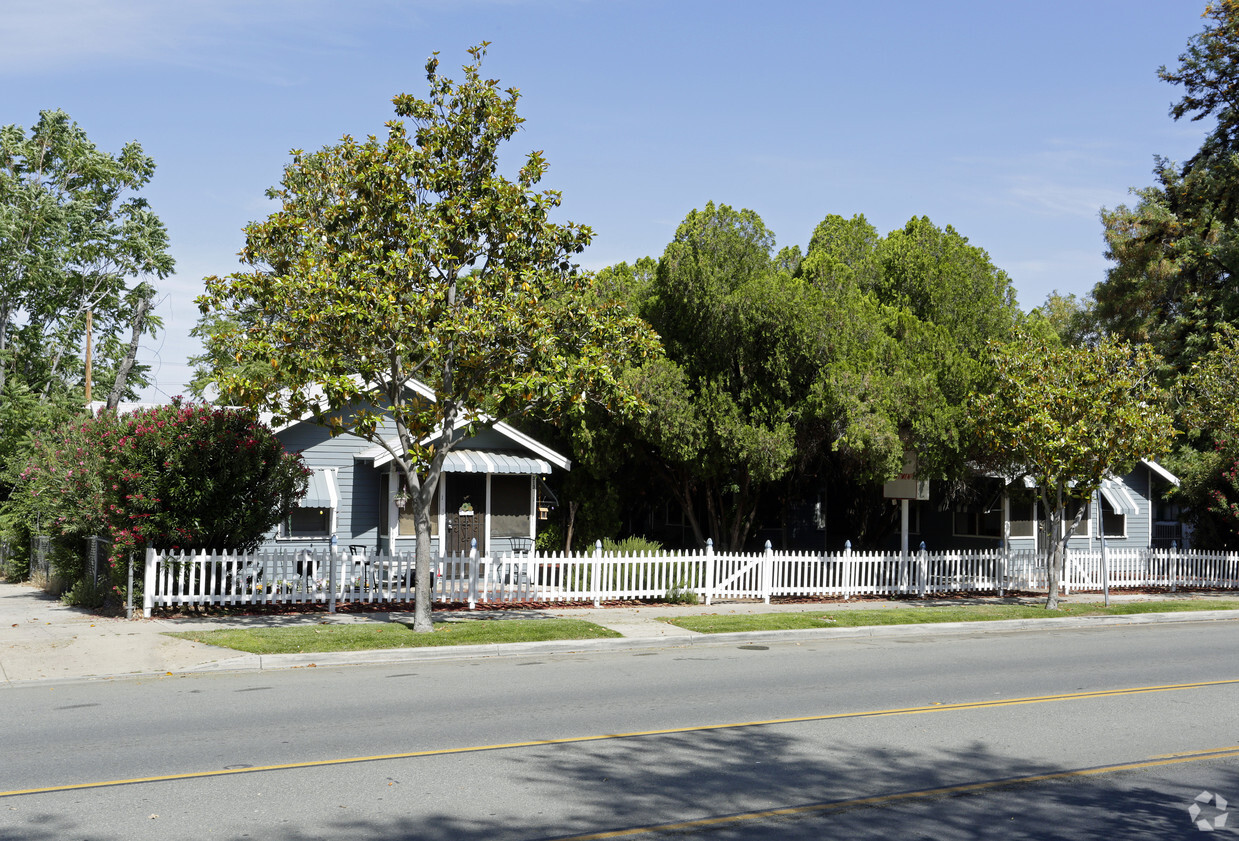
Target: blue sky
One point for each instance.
(1013, 122)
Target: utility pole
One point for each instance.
(89, 317)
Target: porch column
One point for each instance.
(486, 523)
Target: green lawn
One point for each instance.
(850, 618)
(365, 636)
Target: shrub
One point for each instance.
(85, 593)
(550, 538)
(681, 594)
(631, 546)
(176, 477)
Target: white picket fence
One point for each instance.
(331, 578)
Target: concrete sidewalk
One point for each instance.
(42, 639)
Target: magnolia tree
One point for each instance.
(173, 477)
(1068, 417)
(406, 281)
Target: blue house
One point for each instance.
(1134, 513)
(492, 490)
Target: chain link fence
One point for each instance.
(8, 569)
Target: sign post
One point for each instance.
(904, 488)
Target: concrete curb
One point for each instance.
(675, 638)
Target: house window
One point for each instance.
(406, 523)
(976, 522)
(1022, 519)
(314, 515)
(309, 522)
(509, 506)
(1113, 524)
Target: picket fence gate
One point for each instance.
(333, 578)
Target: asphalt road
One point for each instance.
(968, 736)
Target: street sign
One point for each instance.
(907, 486)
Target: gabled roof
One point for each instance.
(381, 455)
(316, 395)
(1029, 482)
(545, 456)
(1160, 471)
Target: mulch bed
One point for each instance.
(191, 611)
(361, 608)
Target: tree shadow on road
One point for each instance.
(557, 791)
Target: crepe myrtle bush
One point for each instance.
(179, 477)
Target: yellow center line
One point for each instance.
(1194, 752)
(843, 805)
(569, 740)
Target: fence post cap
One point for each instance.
(922, 546)
(473, 543)
(710, 542)
(847, 544)
(768, 546)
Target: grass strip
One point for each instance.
(850, 618)
(363, 636)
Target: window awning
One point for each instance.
(322, 492)
(375, 454)
(1119, 497)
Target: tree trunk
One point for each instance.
(573, 505)
(131, 354)
(682, 490)
(1056, 551)
(4, 343)
(422, 618)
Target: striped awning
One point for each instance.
(472, 461)
(1119, 497)
(322, 492)
(487, 461)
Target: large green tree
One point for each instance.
(717, 429)
(1175, 255)
(916, 309)
(412, 258)
(1068, 417)
(787, 374)
(76, 238)
(1207, 402)
(1176, 249)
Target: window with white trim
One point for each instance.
(1113, 524)
(314, 515)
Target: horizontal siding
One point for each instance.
(357, 519)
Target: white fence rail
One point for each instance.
(332, 579)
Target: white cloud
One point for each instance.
(1043, 194)
(1062, 179)
(228, 37)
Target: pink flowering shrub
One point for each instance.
(178, 477)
